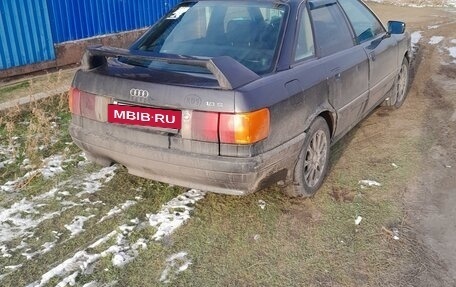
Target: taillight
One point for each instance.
(88, 105)
(200, 126)
(74, 101)
(245, 128)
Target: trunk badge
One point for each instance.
(139, 93)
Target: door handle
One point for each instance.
(372, 56)
(337, 72)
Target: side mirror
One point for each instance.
(396, 27)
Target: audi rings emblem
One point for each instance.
(139, 93)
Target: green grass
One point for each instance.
(14, 88)
(299, 242)
(36, 85)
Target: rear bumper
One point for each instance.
(106, 143)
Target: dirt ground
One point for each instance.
(430, 196)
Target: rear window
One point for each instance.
(248, 32)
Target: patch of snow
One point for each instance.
(63, 193)
(21, 246)
(4, 250)
(11, 186)
(395, 233)
(93, 182)
(6, 162)
(369, 183)
(70, 280)
(174, 213)
(358, 220)
(22, 216)
(436, 39)
(87, 201)
(262, 204)
(453, 41)
(118, 209)
(76, 226)
(13, 267)
(177, 263)
(394, 165)
(121, 258)
(452, 51)
(140, 243)
(415, 38)
(7, 153)
(80, 261)
(52, 166)
(91, 284)
(433, 27)
(103, 240)
(47, 246)
(85, 161)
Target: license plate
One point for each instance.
(142, 116)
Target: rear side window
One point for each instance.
(331, 30)
(365, 24)
(304, 44)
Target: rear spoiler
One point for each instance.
(230, 74)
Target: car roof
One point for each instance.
(297, 2)
(291, 3)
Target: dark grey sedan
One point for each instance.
(233, 96)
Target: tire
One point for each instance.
(400, 88)
(312, 164)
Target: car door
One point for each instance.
(346, 65)
(380, 48)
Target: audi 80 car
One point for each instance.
(233, 96)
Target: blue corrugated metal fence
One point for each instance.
(77, 19)
(25, 33)
(30, 28)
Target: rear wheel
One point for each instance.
(313, 161)
(400, 87)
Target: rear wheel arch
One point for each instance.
(329, 117)
(312, 163)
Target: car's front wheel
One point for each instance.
(313, 161)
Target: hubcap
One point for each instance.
(402, 83)
(315, 158)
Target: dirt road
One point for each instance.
(430, 197)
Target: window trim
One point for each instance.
(303, 9)
(350, 29)
(355, 38)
